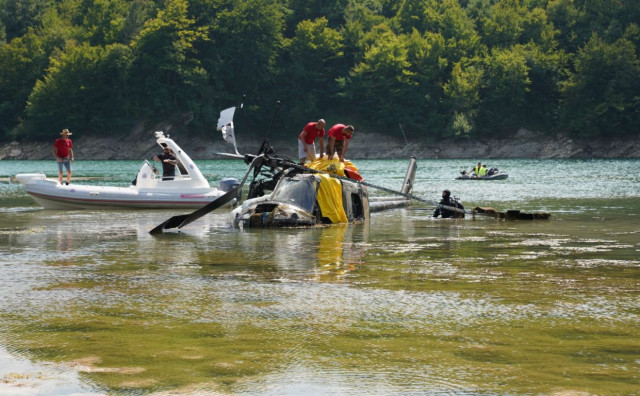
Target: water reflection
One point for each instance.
(321, 253)
(338, 252)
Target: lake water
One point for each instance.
(92, 304)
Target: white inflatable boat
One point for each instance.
(188, 189)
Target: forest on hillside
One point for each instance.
(434, 68)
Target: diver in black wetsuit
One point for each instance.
(447, 213)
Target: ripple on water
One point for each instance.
(608, 263)
(598, 308)
(402, 247)
(21, 230)
(551, 242)
(337, 308)
(308, 379)
(582, 249)
(18, 209)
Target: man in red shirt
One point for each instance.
(306, 140)
(339, 137)
(62, 149)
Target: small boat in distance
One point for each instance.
(492, 174)
(188, 189)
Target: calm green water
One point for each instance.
(90, 303)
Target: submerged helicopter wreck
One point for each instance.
(283, 193)
(308, 196)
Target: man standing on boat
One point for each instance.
(307, 138)
(169, 162)
(339, 136)
(62, 149)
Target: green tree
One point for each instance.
(17, 16)
(511, 22)
(420, 107)
(459, 31)
(168, 70)
(504, 91)
(602, 97)
(398, 80)
(300, 10)
(600, 16)
(577, 20)
(22, 62)
(503, 25)
(247, 41)
(315, 54)
(448, 67)
(462, 98)
(137, 13)
(360, 18)
(85, 89)
(104, 20)
(384, 69)
(445, 17)
(546, 70)
(564, 15)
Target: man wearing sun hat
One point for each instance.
(62, 149)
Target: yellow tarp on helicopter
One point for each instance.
(336, 167)
(330, 191)
(330, 199)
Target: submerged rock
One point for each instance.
(513, 214)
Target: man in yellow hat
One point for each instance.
(63, 150)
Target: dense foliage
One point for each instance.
(440, 68)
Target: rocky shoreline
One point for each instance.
(141, 144)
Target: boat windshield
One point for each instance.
(298, 192)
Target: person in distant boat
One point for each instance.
(339, 136)
(307, 138)
(473, 171)
(169, 162)
(482, 171)
(445, 205)
(476, 169)
(63, 151)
